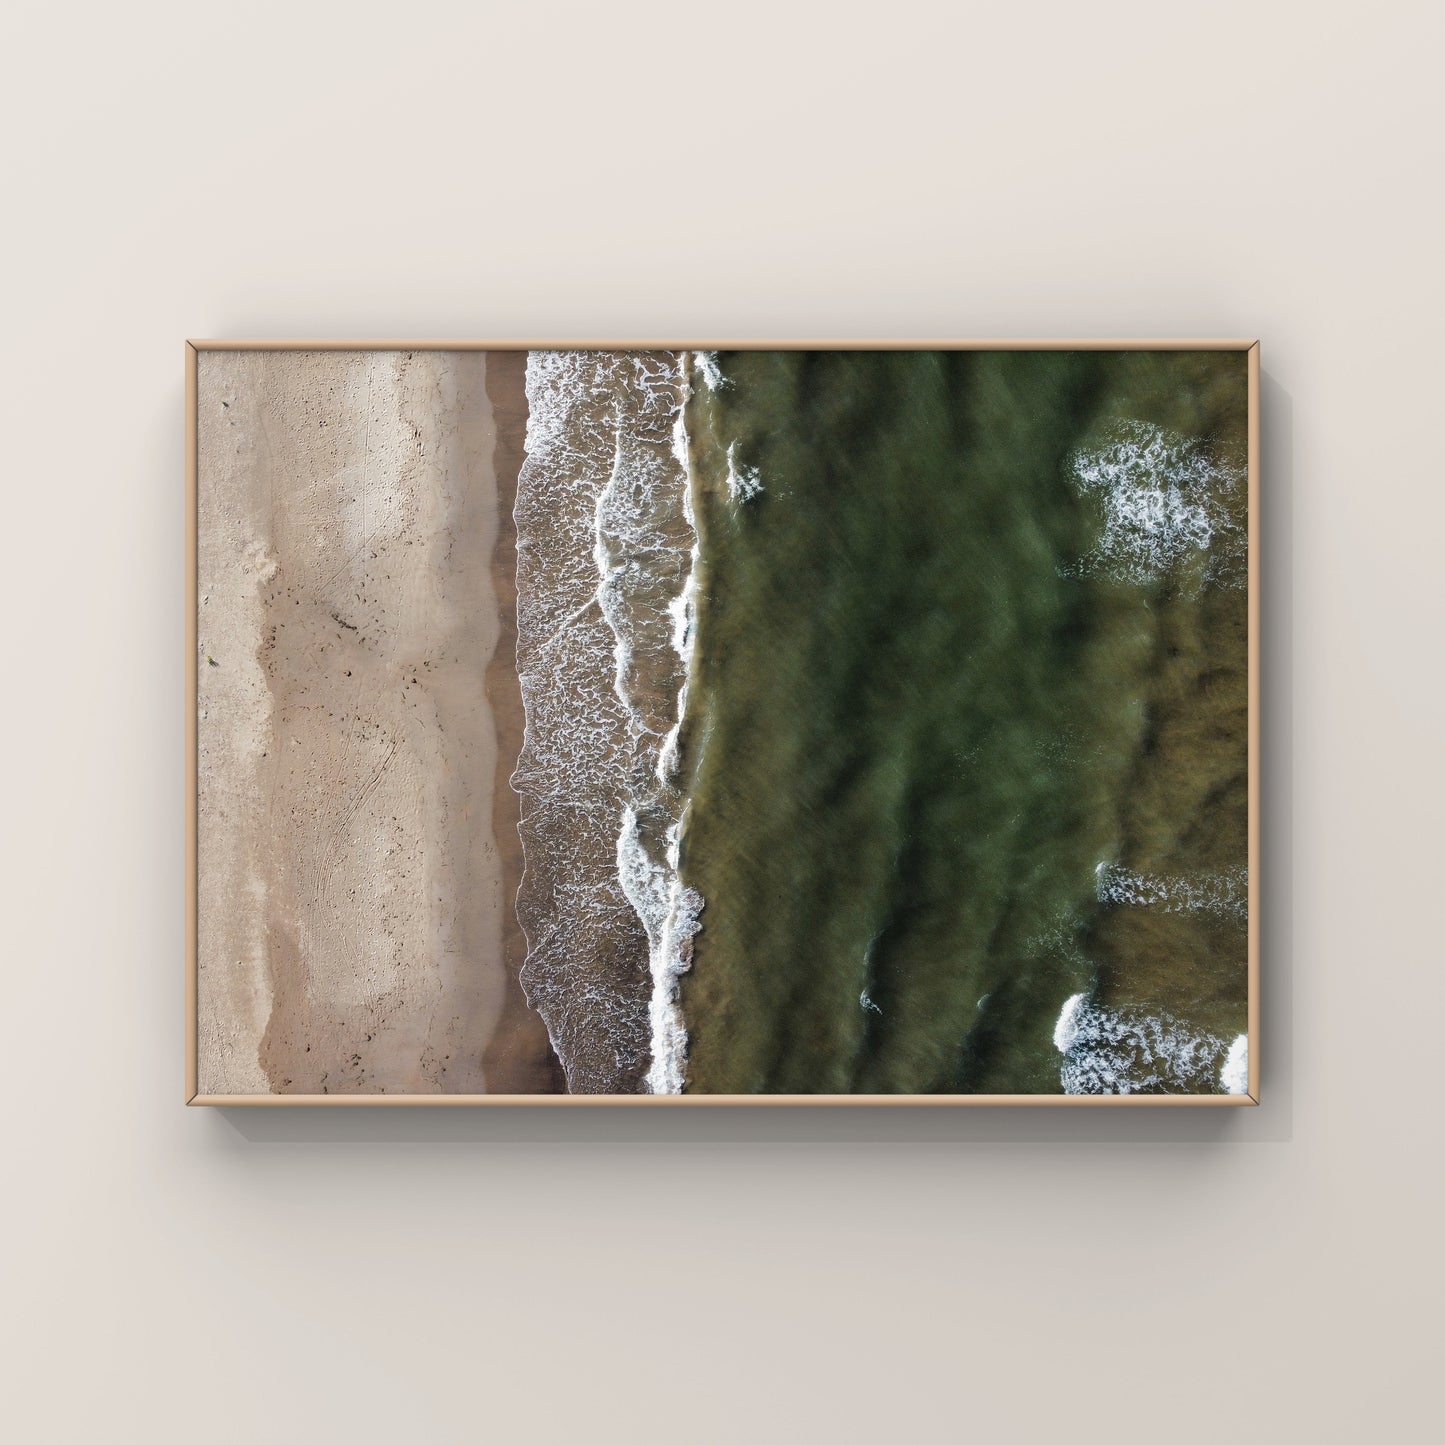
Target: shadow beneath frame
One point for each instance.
(1276, 797)
(1271, 1122)
(785, 1124)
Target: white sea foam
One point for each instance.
(743, 482)
(1234, 1075)
(1067, 1025)
(672, 909)
(1167, 500)
(1226, 892)
(1128, 1051)
(682, 609)
(709, 370)
(607, 549)
(669, 913)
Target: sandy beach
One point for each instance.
(357, 846)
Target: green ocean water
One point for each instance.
(939, 683)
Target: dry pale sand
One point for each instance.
(356, 932)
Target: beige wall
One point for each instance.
(472, 170)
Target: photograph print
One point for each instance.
(755, 724)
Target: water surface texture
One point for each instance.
(887, 720)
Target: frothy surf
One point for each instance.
(1166, 502)
(1234, 1076)
(709, 370)
(1126, 1051)
(1225, 893)
(1123, 1051)
(743, 482)
(607, 550)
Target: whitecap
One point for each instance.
(670, 914)
(744, 483)
(1166, 500)
(709, 370)
(1225, 892)
(1234, 1075)
(1067, 1025)
(1130, 1051)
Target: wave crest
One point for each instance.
(1129, 1051)
(606, 549)
(1167, 501)
(1225, 893)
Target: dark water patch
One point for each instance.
(919, 723)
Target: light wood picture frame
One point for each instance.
(263, 415)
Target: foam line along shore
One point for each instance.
(606, 557)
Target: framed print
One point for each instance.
(657, 722)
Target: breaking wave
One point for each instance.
(606, 554)
(743, 482)
(1128, 1051)
(1167, 501)
(1224, 893)
(709, 370)
(1234, 1075)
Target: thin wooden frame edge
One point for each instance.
(925, 1101)
(192, 685)
(726, 344)
(193, 1096)
(1252, 892)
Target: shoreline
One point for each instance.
(602, 536)
(518, 1057)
